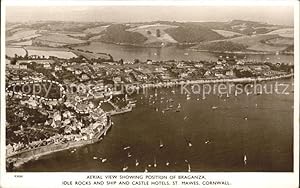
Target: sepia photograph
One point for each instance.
(144, 88)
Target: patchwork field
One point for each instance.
(225, 33)
(95, 30)
(47, 53)
(286, 32)
(11, 51)
(57, 40)
(22, 35)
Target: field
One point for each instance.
(95, 30)
(149, 31)
(287, 32)
(46, 51)
(11, 51)
(60, 38)
(227, 33)
(24, 43)
(22, 35)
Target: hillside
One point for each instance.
(192, 34)
(117, 34)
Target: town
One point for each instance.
(67, 114)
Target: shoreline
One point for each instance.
(16, 160)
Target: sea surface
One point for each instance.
(210, 134)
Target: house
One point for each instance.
(84, 77)
(58, 68)
(199, 65)
(229, 73)
(46, 65)
(23, 66)
(117, 79)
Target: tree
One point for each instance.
(149, 32)
(157, 32)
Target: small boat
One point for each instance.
(197, 99)
(179, 105)
(207, 142)
(129, 155)
(173, 91)
(127, 147)
(146, 170)
(189, 143)
(167, 163)
(156, 109)
(136, 163)
(245, 118)
(186, 53)
(245, 159)
(103, 160)
(214, 107)
(154, 165)
(125, 168)
(170, 106)
(161, 145)
(149, 165)
(185, 118)
(95, 158)
(188, 97)
(189, 168)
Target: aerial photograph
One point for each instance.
(149, 88)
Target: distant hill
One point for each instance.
(117, 34)
(235, 35)
(189, 33)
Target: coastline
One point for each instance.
(16, 160)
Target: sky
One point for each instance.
(282, 15)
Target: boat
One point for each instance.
(189, 143)
(161, 145)
(103, 160)
(186, 53)
(188, 97)
(214, 107)
(185, 118)
(245, 118)
(129, 155)
(125, 168)
(167, 163)
(126, 148)
(156, 109)
(154, 165)
(207, 141)
(189, 168)
(170, 106)
(146, 170)
(245, 159)
(95, 158)
(136, 163)
(173, 91)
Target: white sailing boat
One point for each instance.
(136, 163)
(154, 165)
(125, 168)
(245, 159)
(161, 145)
(189, 168)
